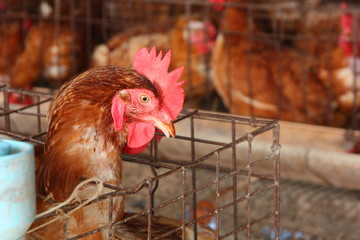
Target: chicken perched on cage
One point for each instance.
(51, 51)
(191, 39)
(95, 117)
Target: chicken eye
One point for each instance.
(144, 98)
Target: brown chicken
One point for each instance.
(11, 46)
(200, 38)
(92, 119)
(157, 13)
(346, 62)
(258, 76)
(246, 72)
(11, 43)
(50, 52)
(337, 64)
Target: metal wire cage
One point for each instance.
(280, 60)
(175, 184)
(300, 43)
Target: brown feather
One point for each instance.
(82, 143)
(137, 229)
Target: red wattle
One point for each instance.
(139, 134)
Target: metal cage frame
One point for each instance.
(10, 114)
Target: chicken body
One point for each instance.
(253, 78)
(11, 46)
(338, 62)
(92, 118)
(52, 52)
(302, 81)
(136, 229)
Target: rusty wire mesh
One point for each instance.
(299, 40)
(310, 29)
(289, 67)
(157, 186)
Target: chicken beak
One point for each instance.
(166, 127)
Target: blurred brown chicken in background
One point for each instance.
(11, 39)
(304, 79)
(40, 50)
(52, 52)
(195, 35)
(253, 77)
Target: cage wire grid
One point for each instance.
(98, 21)
(278, 21)
(278, 26)
(239, 220)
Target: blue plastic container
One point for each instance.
(17, 188)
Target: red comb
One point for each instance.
(155, 68)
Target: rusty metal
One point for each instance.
(171, 168)
(245, 221)
(101, 26)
